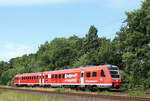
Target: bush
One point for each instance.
(106, 93)
(63, 90)
(136, 94)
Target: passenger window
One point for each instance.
(59, 76)
(88, 74)
(52, 76)
(102, 73)
(94, 74)
(46, 76)
(67, 75)
(56, 76)
(63, 75)
(82, 74)
(37, 77)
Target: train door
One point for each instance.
(40, 79)
(19, 81)
(102, 78)
(82, 77)
(43, 80)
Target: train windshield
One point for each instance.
(114, 71)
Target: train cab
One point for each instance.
(115, 75)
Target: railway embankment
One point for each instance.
(83, 95)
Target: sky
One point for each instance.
(26, 24)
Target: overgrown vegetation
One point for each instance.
(104, 92)
(66, 90)
(130, 50)
(14, 96)
(136, 94)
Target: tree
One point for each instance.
(91, 41)
(133, 41)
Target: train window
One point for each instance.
(46, 76)
(73, 75)
(52, 76)
(82, 74)
(63, 75)
(102, 73)
(34, 78)
(56, 76)
(22, 78)
(59, 76)
(67, 75)
(94, 74)
(37, 77)
(88, 74)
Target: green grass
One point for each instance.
(136, 94)
(105, 92)
(15, 96)
(63, 90)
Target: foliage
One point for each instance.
(63, 90)
(133, 46)
(91, 41)
(105, 92)
(136, 94)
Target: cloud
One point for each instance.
(12, 50)
(36, 2)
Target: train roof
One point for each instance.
(27, 74)
(75, 69)
(67, 70)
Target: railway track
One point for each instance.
(76, 96)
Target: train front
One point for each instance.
(115, 74)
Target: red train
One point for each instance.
(103, 76)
